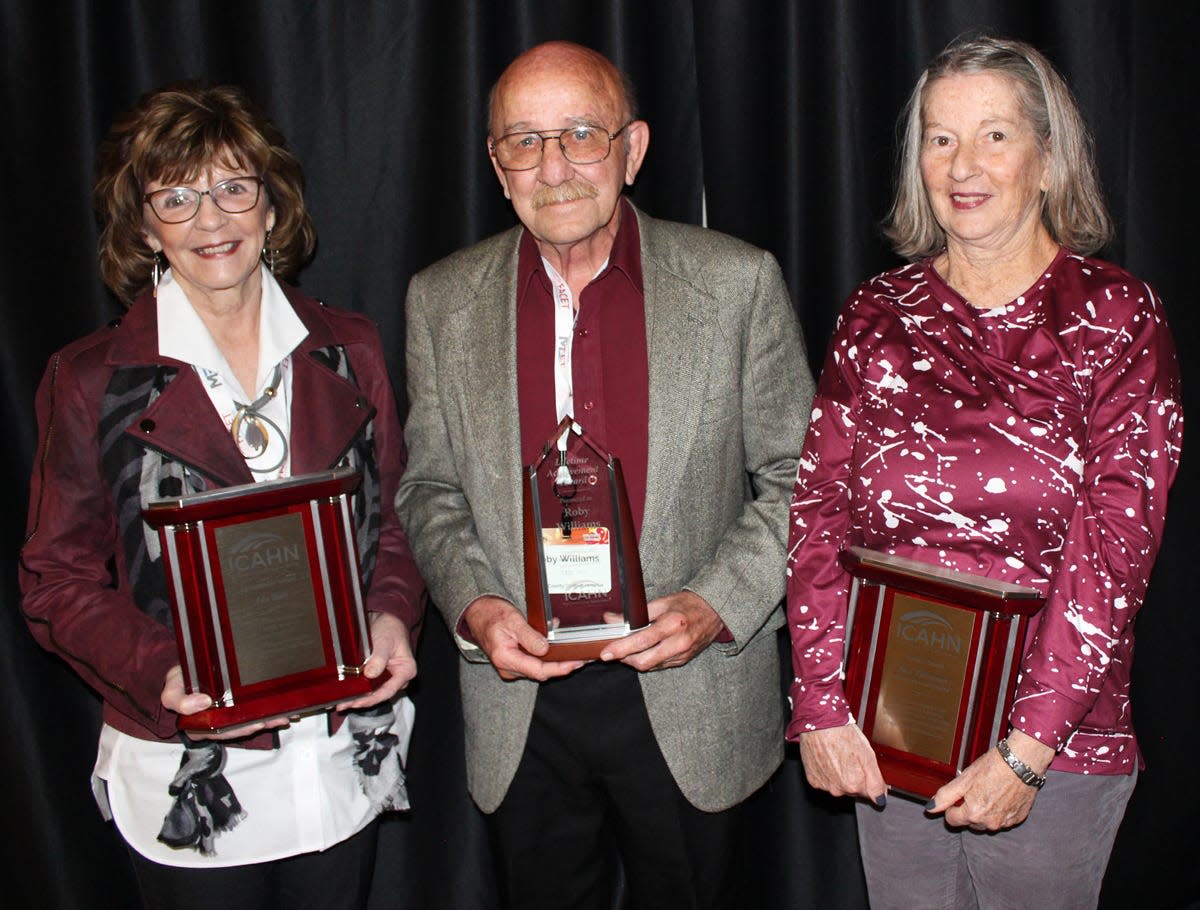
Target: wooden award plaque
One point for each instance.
(583, 575)
(931, 664)
(266, 596)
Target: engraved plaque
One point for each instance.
(269, 597)
(924, 673)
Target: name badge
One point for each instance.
(579, 564)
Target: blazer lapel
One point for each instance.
(484, 330)
(679, 325)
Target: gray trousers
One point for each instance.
(1054, 859)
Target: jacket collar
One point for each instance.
(182, 423)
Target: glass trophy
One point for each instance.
(931, 664)
(583, 576)
(266, 596)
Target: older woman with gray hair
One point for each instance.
(1008, 406)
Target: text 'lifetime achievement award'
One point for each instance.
(931, 664)
(266, 596)
(583, 576)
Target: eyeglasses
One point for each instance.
(580, 145)
(176, 204)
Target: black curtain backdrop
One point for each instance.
(772, 120)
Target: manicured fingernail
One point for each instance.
(881, 800)
(929, 805)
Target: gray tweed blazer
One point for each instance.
(729, 400)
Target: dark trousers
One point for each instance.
(593, 796)
(335, 879)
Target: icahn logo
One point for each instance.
(929, 629)
(262, 550)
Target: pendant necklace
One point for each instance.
(251, 429)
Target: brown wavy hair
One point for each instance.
(1073, 208)
(172, 135)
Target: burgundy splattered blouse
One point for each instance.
(1033, 443)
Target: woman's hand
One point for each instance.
(174, 698)
(390, 651)
(988, 796)
(841, 761)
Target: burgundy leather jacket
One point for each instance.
(77, 595)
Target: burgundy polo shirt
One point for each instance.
(609, 365)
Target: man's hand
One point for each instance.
(840, 761)
(987, 796)
(512, 645)
(681, 626)
(391, 650)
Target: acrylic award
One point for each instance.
(583, 576)
(931, 664)
(266, 596)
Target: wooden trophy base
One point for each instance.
(904, 779)
(299, 701)
(579, 650)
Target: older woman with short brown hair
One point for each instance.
(219, 374)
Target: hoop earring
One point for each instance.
(155, 273)
(268, 254)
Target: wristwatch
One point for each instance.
(1019, 767)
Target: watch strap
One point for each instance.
(1022, 770)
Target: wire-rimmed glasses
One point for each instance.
(176, 204)
(580, 144)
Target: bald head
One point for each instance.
(554, 61)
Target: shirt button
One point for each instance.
(583, 333)
(588, 405)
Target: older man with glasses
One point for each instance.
(676, 350)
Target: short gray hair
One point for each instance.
(1073, 208)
